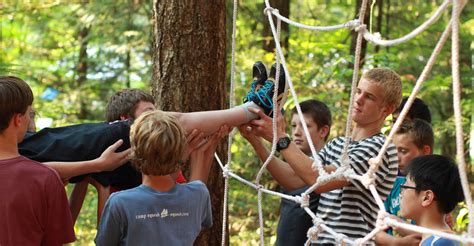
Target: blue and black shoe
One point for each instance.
(259, 73)
(264, 96)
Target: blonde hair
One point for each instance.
(391, 83)
(158, 143)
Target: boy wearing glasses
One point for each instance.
(432, 190)
(414, 138)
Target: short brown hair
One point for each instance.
(390, 82)
(420, 132)
(158, 143)
(15, 97)
(125, 102)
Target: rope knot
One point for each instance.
(225, 172)
(381, 223)
(353, 23)
(313, 232)
(340, 239)
(269, 9)
(259, 187)
(360, 28)
(304, 200)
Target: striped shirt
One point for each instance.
(352, 210)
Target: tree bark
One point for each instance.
(81, 69)
(283, 7)
(189, 63)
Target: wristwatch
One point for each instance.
(283, 143)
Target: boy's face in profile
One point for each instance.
(406, 150)
(368, 105)
(298, 135)
(410, 200)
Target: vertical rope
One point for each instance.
(457, 111)
(229, 141)
(423, 76)
(355, 78)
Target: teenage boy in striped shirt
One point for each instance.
(347, 206)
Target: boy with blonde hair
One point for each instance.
(160, 212)
(347, 206)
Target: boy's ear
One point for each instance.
(324, 131)
(428, 197)
(124, 117)
(389, 109)
(16, 120)
(426, 150)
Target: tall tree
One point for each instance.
(189, 73)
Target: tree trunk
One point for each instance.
(189, 63)
(81, 69)
(283, 7)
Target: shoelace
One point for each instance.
(267, 100)
(251, 93)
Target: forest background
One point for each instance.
(76, 54)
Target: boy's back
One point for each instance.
(33, 207)
(145, 216)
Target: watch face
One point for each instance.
(283, 143)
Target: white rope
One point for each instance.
(376, 38)
(229, 139)
(355, 79)
(457, 7)
(349, 24)
(345, 172)
(292, 90)
(375, 162)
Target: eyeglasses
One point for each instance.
(408, 187)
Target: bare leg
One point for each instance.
(103, 194)
(210, 121)
(76, 199)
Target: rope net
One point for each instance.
(345, 172)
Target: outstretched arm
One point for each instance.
(109, 160)
(280, 170)
(297, 160)
(202, 157)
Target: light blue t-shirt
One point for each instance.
(144, 216)
(438, 241)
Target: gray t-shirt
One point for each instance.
(144, 216)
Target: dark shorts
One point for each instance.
(80, 143)
(294, 221)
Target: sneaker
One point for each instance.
(259, 73)
(264, 96)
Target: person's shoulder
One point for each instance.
(445, 242)
(31, 166)
(438, 241)
(197, 186)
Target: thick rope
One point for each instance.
(347, 173)
(355, 79)
(349, 24)
(316, 157)
(457, 7)
(376, 39)
(229, 139)
(375, 162)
